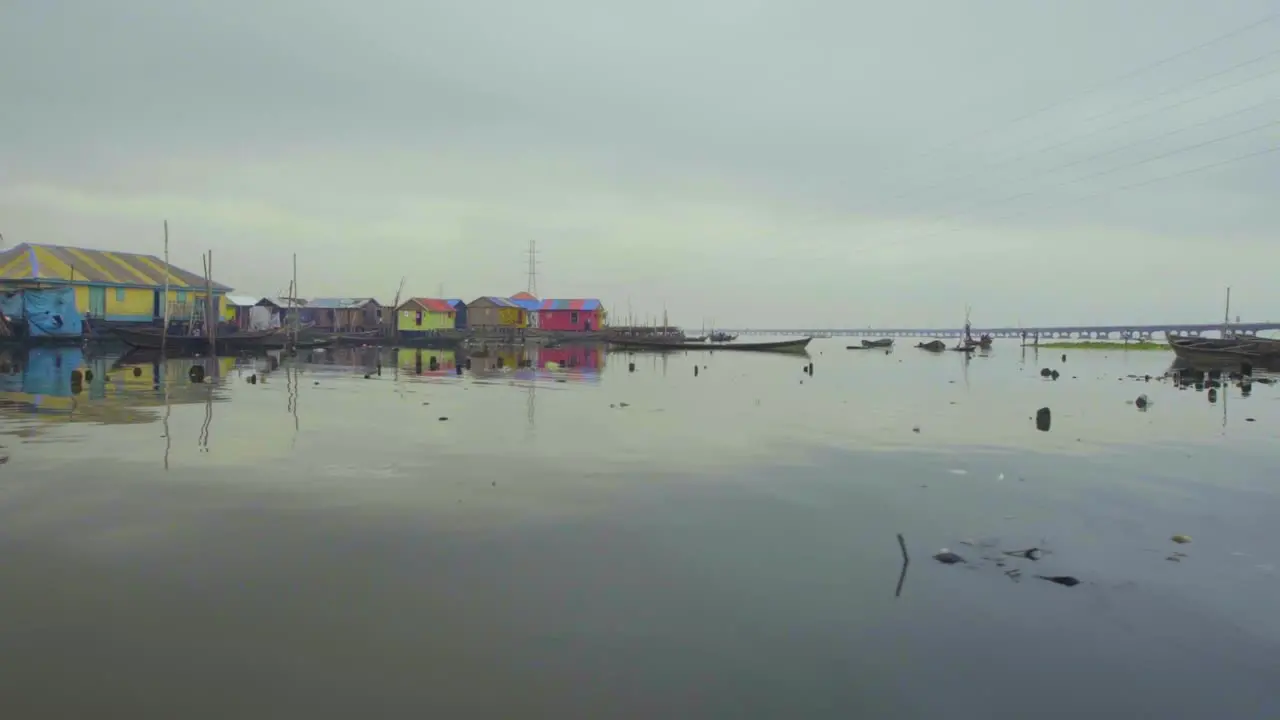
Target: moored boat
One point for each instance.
(153, 338)
(794, 346)
(881, 343)
(1224, 351)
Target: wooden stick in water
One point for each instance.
(906, 560)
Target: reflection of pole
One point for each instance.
(161, 368)
(208, 416)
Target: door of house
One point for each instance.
(98, 301)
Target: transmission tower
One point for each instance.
(533, 268)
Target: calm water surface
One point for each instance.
(581, 541)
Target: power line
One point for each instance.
(1123, 188)
(1271, 17)
(972, 206)
(1122, 123)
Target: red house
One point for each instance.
(581, 315)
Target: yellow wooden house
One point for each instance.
(109, 285)
(425, 315)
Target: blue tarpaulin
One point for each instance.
(48, 312)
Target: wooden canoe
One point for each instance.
(152, 338)
(784, 346)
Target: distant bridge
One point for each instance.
(1082, 332)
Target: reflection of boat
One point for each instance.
(796, 346)
(881, 343)
(153, 338)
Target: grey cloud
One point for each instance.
(856, 163)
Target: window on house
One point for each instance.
(182, 296)
(119, 294)
(573, 318)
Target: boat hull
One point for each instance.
(154, 339)
(782, 346)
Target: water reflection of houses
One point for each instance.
(63, 384)
(428, 362)
(583, 360)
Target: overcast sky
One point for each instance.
(787, 164)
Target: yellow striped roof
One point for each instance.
(33, 262)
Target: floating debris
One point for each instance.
(1141, 402)
(1043, 419)
(1028, 554)
(443, 418)
(946, 557)
(1065, 580)
(1181, 539)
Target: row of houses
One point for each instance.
(423, 316)
(54, 288)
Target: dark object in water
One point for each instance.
(1045, 372)
(1043, 419)
(946, 557)
(1066, 580)
(1054, 374)
(795, 346)
(932, 346)
(150, 338)
(196, 373)
(1064, 357)
(1141, 402)
(1029, 553)
(442, 418)
(881, 343)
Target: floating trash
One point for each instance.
(946, 557)
(1065, 580)
(1181, 539)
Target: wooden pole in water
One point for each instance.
(1226, 315)
(210, 320)
(293, 301)
(164, 329)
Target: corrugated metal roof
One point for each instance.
(59, 263)
(339, 303)
(582, 304)
(456, 301)
(435, 305)
(522, 295)
(531, 304)
(283, 303)
(242, 300)
(499, 301)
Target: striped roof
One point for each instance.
(339, 303)
(584, 304)
(435, 305)
(499, 301)
(531, 303)
(33, 262)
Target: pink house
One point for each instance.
(581, 315)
